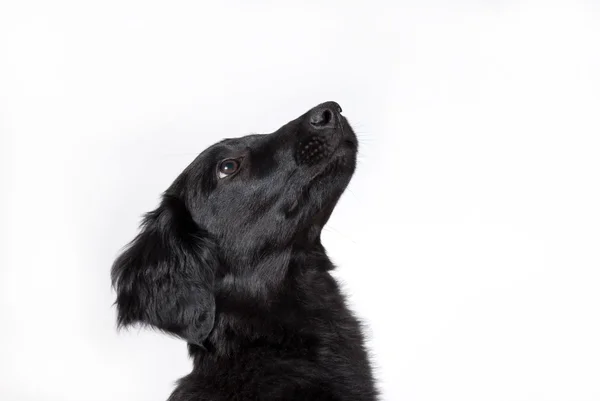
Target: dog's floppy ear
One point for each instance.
(165, 277)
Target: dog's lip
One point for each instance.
(339, 163)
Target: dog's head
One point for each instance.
(234, 215)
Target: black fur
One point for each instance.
(234, 266)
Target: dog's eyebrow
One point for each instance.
(231, 141)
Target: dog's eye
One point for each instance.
(228, 167)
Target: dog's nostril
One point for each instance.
(321, 118)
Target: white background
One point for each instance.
(469, 239)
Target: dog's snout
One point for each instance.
(325, 115)
(321, 118)
(320, 133)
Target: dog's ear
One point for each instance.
(165, 277)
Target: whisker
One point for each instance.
(353, 195)
(180, 154)
(333, 230)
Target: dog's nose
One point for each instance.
(325, 115)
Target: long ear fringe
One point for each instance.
(165, 277)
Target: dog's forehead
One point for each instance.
(240, 142)
(228, 147)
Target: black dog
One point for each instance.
(232, 262)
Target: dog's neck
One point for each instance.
(253, 306)
(260, 272)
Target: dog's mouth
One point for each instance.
(315, 149)
(324, 183)
(325, 160)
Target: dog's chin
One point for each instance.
(318, 197)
